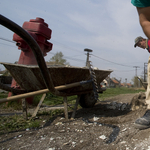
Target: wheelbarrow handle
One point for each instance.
(34, 47)
(30, 94)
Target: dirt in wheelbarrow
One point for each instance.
(99, 128)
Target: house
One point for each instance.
(122, 84)
(128, 85)
(112, 82)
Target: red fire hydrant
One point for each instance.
(39, 30)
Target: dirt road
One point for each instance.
(97, 128)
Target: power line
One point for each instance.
(112, 61)
(76, 58)
(124, 70)
(70, 58)
(70, 48)
(7, 40)
(7, 45)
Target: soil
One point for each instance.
(97, 128)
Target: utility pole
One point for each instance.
(87, 59)
(136, 69)
(120, 82)
(145, 71)
(126, 82)
(109, 80)
(136, 75)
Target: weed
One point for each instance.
(13, 123)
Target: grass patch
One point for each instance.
(110, 92)
(51, 99)
(3, 95)
(16, 123)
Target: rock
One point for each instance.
(138, 101)
(118, 106)
(95, 118)
(103, 137)
(124, 129)
(19, 135)
(51, 148)
(123, 142)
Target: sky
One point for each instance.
(107, 27)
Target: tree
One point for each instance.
(58, 59)
(136, 82)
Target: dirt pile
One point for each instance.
(97, 128)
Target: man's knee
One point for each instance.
(145, 24)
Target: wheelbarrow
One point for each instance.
(59, 80)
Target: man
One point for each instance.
(143, 8)
(142, 43)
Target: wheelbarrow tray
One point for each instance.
(29, 77)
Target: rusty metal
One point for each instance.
(60, 75)
(35, 48)
(10, 89)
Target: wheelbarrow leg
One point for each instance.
(24, 108)
(39, 105)
(65, 107)
(75, 107)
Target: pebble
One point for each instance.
(124, 129)
(123, 142)
(95, 118)
(51, 139)
(81, 141)
(103, 137)
(73, 144)
(43, 138)
(58, 123)
(51, 149)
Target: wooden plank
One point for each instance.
(39, 105)
(65, 107)
(75, 107)
(17, 97)
(24, 108)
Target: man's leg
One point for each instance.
(144, 122)
(144, 18)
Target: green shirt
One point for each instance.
(141, 3)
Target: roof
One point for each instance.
(129, 84)
(116, 82)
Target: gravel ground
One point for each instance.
(97, 128)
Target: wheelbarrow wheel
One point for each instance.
(87, 100)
